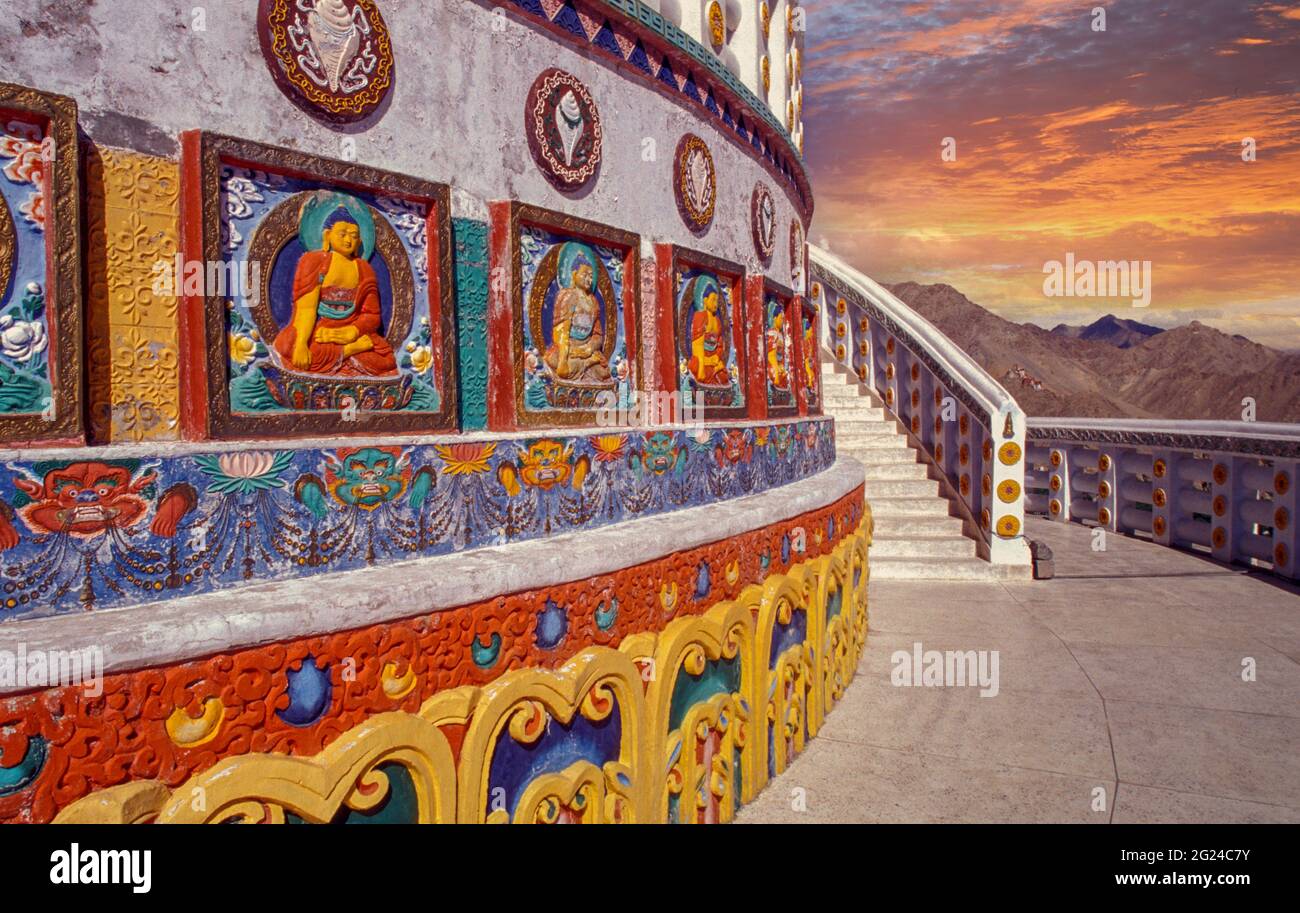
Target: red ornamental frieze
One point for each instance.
(333, 58)
(763, 221)
(172, 722)
(695, 182)
(564, 129)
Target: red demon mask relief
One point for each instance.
(84, 499)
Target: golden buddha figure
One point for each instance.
(335, 328)
(778, 343)
(576, 353)
(708, 361)
(809, 353)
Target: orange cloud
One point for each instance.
(1093, 161)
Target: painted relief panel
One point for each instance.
(40, 288)
(132, 339)
(710, 326)
(576, 305)
(97, 531)
(329, 306)
(24, 327)
(778, 352)
(811, 358)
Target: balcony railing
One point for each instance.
(1227, 488)
(971, 429)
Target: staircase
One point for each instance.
(916, 535)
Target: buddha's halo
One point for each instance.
(320, 205)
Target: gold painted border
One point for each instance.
(217, 150)
(63, 272)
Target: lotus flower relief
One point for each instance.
(609, 448)
(22, 340)
(421, 359)
(245, 472)
(335, 37)
(465, 459)
(242, 348)
(701, 441)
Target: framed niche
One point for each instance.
(318, 295)
(704, 300)
(779, 313)
(566, 321)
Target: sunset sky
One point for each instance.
(1123, 144)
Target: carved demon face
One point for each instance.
(783, 437)
(660, 455)
(546, 464)
(735, 446)
(84, 499)
(368, 478)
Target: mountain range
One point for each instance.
(1117, 368)
(1117, 331)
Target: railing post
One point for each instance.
(1223, 506)
(1284, 519)
(888, 385)
(1107, 489)
(1164, 496)
(1007, 544)
(1058, 505)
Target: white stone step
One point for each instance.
(910, 488)
(884, 454)
(847, 439)
(883, 506)
(904, 526)
(844, 395)
(867, 450)
(922, 547)
(930, 569)
(858, 416)
(882, 472)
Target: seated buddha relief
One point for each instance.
(335, 327)
(709, 347)
(779, 346)
(575, 353)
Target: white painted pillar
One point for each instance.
(748, 45)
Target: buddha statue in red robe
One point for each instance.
(708, 361)
(336, 324)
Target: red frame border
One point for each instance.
(505, 310)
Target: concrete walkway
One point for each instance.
(1125, 673)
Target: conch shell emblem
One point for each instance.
(335, 36)
(701, 183)
(568, 121)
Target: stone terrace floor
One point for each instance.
(1124, 672)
